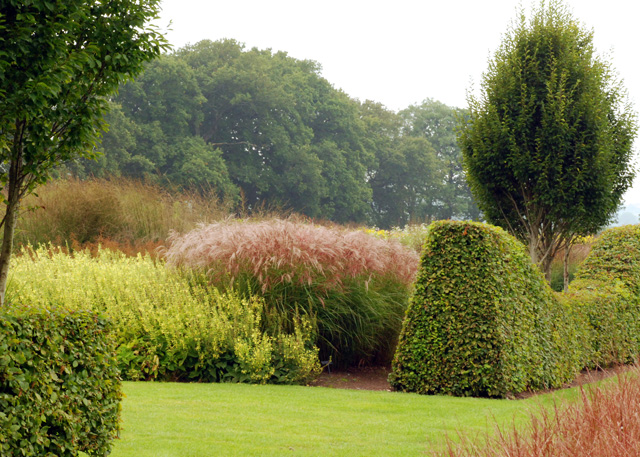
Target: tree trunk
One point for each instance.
(567, 250)
(545, 266)
(13, 204)
(538, 256)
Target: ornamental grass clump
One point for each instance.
(353, 285)
(128, 212)
(604, 423)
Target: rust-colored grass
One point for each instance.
(605, 422)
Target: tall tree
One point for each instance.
(438, 123)
(548, 143)
(60, 60)
(285, 136)
(406, 178)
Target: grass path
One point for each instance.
(197, 420)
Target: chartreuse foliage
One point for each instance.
(59, 383)
(482, 320)
(169, 326)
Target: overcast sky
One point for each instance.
(401, 52)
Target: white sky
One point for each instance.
(399, 52)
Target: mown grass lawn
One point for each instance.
(195, 420)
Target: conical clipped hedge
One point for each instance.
(482, 320)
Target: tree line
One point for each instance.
(263, 128)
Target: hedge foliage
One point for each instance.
(482, 320)
(607, 290)
(615, 256)
(59, 383)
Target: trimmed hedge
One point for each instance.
(59, 383)
(610, 312)
(607, 291)
(615, 256)
(482, 320)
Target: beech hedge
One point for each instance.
(59, 383)
(482, 320)
(615, 256)
(607, 291)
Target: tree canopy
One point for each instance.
(59, 62)
(548, 142)
(266, 128)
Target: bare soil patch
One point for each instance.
(363, 378)
(375, 378)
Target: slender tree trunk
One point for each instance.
(567, 251)
(546, 268)
(533, 250)
(539, 258)
(13, 204)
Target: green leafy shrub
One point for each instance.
(169, 326)
(615, 256)
(611, 314)
(607, 290)
(354, 286)
(59, 383)
(482, 320)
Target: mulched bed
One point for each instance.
(375, 378)
(365, 378)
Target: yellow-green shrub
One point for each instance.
(168, 326)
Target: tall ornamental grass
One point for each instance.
(168, 326)
(605, 423)
(353, 285)
(125, 212)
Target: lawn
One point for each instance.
(169, 419)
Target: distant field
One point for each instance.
(195, 420)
